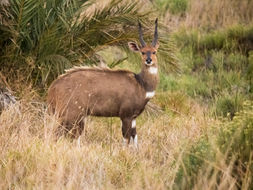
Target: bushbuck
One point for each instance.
(94, 91)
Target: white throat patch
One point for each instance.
(152, 70)
(150, 94)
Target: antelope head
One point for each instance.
(148, 52)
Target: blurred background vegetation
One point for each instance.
(205, 56)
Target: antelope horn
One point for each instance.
(143, 44)
(154, 42)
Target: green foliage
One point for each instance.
(236, 136)
(42, 38)
(234, 38)
(218, 77)
(115, 63)
(174, 6)
(249, 72)
(167, 53)
(235, 62)
(192, 163)
(236, 139)
(228, 105)
(168, 83)
(195, 87)
(230, 144)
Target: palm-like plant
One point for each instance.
(43, 37)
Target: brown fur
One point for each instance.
(83, 91)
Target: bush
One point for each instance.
(237, 135)
(226, 106)
(222, 157)
(235, 140)
(192, 162)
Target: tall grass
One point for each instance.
(178, 149)
(205, 15)
(31, 157)
(223, 158)
(214, 13)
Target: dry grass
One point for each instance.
(31, 158)
(212, 14)
(216, 13)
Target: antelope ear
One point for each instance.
(133, 46)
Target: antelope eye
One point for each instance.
(154, 52)
(143, 53)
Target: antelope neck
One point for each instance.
(148, 77)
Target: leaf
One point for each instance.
(115, 63)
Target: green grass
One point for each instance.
(173, 6)
(224, 153)
(235, 38)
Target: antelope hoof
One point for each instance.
(124, 141)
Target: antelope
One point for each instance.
(94, 91)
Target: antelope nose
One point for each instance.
(148, 60)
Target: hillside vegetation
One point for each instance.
(197, 132)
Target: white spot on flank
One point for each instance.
(134, 123)
(153, 70)
(150, 94)
(79, 107)
(75, 102)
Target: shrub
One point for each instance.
(192, 163)
(225, 106)
(221, 159)
(235, 140)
